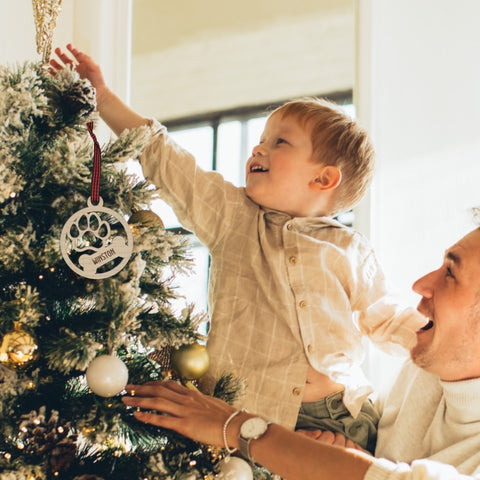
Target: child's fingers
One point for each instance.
(63, 57)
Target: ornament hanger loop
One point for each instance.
(98, 204)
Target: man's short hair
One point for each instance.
(336, 140)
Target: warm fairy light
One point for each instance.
(13, 194)
(30, 385)
(117, 453)
(192, 463)
(24, 429)
(8, 456)
(48, 318)
(60, 429)
(52, 269)
(37, 421)
(20, 446)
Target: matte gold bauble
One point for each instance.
(190, 362)
(146, 218)
(19, 349)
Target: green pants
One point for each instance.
(331, 414)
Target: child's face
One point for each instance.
(281, 168)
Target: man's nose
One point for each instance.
(424, 285)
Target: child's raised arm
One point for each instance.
(116, 114)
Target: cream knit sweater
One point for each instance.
(429, 429)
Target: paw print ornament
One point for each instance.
(96, 242)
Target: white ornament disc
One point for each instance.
(235, 468)
(107, 375)
(91, 247)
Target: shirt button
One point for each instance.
(289, 226)
(303, 304)
(297, 391)
(310, 349)
(293, 260)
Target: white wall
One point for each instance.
(100, 27)
(17, 32)
(419, 95)
(418, 92)
(306, 51)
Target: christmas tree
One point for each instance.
(70, 337)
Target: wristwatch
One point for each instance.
(251, 429)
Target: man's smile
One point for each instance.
(256, 167)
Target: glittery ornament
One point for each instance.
(145, 218)
(45, 13)
(190, 361)
(19, 349)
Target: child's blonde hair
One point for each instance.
(336, 140)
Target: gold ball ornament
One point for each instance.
(190, 362)
(145, 218)
(19, 349)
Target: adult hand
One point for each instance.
(186, 411)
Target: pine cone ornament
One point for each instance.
(41, 436)
(78, 100)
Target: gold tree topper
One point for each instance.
(45, 13)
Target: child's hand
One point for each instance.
(330, 438)
(82, 63)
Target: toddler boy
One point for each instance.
(292, 291)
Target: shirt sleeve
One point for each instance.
(381, 317)
(383, 469)
(202, 200)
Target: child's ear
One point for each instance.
(327, 178)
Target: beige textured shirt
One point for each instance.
(283, 290)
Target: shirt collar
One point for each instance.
(276, 217)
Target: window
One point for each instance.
(221, 142)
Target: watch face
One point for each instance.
(253, 427)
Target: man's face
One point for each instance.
(449, 345)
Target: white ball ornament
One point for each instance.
(235, 468)
(107, 375)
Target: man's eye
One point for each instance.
(281, 140)
(449, 272)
